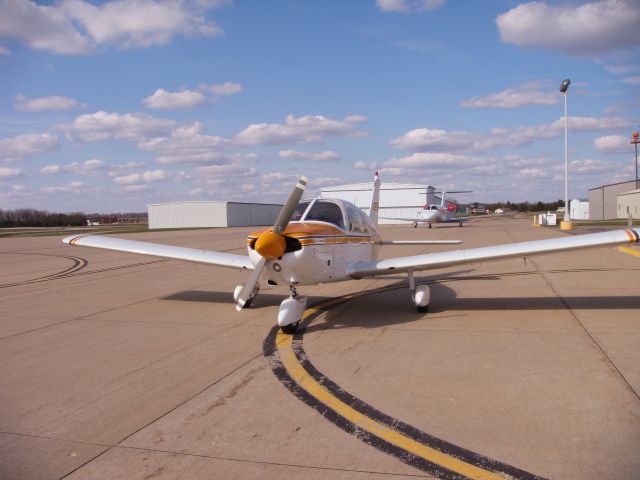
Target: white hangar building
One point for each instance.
(196, 214)
(401, 200)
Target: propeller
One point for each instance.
(271, 243)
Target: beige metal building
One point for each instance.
(195, 214)
(400, 200)
(603, 202)
(629, 202)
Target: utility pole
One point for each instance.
(635, 141)
(566, 224)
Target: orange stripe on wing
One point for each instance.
(633, 236)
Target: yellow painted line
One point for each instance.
(284, 344)
(630, 251)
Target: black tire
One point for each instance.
(291, 328)
(424, 309)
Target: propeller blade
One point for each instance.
(287, 210)
(245, 294)
(281, 223)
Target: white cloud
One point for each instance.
(355, 118)
(589, 166)
(92, 168)
(187, 144)
(127, 179)
(155, 176)
(325, 156)
(6, 172)
(590, 29)
(46, 103)
(437, 140)
(631, 80)
(372, 166)
(429, 160)
(408, 6)
(50, 169)
(222, 89)
(613, 144)
(146, 177)
(72, 187)
(532, 173)
(21, 146)
(523, 95)
(104, 125)
(4, 51)
(305, 129)
(79, 27)
(135, 188)
(163, 100)
(230, 170)
(622, 69)
(42, 27)
(139, 23)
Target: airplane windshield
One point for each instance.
(299, 211)
(324, 211)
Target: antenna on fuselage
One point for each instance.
(375, 201)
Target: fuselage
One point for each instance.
(325, 236)
(435, 214)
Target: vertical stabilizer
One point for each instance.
(375, 200)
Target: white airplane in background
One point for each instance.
(330, 240)
(434, 213)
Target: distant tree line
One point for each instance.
(29, 217)
(527, 206)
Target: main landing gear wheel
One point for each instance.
(424, 309)
(291, 328)
(254, 294)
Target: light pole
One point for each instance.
(635, 141)
(564, 87)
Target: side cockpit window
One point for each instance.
(324, 211)
(299, 211)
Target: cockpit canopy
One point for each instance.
(344, 215)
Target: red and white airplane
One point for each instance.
(330, 240)
(439, 213)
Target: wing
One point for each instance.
(412, 220)
(457, 257)
(158, 250)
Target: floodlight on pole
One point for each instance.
(564, 88)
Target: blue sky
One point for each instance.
(109, 106)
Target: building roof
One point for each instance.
(631, 192)
(611, 185)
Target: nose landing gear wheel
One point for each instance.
(291, 328)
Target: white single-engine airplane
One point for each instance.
(329, 240)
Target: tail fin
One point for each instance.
(375, 200)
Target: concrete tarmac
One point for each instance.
(115, 365)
